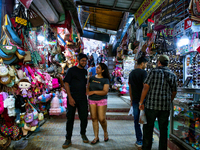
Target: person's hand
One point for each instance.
(141, 107)
(72, 101)
(91, 93)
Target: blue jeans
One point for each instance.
(136, 114)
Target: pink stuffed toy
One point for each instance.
(64, 98)
(1, 104)
(55, 106)
(55, 83)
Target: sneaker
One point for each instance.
(138, 143)
(67, 144)
(85, 139)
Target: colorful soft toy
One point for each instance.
(45, 97)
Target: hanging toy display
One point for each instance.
(24, 84)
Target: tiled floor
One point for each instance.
(121, 133)
(52, 136)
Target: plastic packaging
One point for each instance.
(142, 119)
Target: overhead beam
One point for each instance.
(98, 2)
(115, 3)
(102, 14)
(105, 7)
(133, 2)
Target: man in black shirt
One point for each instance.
(136, 80)
(75, 84)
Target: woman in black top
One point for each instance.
(97, 90)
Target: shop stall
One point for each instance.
(34, 57)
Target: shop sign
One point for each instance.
(26, 3)
(146, 9)
(167, 32)
(185, 24)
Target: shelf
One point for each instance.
(185, 145)
(196, 130)
(196, 111)
(189, 90)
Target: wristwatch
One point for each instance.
(140, 104)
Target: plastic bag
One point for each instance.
(130, 113)
(143, 119)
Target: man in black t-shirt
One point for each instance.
(136, 80)
(75, 84)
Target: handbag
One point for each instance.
(27, 57)
(11, 72)
(13, 60)
(3, 69)
(28, 118)
(4, 142)
(16, 132)
(13, 34)
(9, 50)
(5, 80)
(34, 123)
(34, 18)
(40, 116)
(50, 69)
(6, 131)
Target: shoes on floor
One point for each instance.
(67, 144)
(95, 141)
(138, 143)
(85, 139)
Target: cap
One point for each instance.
(163, 58)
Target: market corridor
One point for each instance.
(121, 133)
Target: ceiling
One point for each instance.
(118, 5)
(105, 14)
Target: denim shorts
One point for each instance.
(101, 102)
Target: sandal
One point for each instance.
(106, 139)
(95, 141)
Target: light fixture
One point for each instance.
(183, 41)
(40, 38)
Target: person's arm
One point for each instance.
(145, 90)
(71, 100)
(67, 80)
(144, 93)
(174, 88)
(88, 89)
(130, 93)
(101, 93)
(173, 95)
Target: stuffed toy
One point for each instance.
(20, 109)
(64, 97)
(1, 104)
(24, 84)
(45, 97)
(9, 103)
(56, 108)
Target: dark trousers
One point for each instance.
(136, 115)
(82, 107)
(163, 119)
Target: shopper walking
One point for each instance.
(92, 70)
(160, 88)
(136, 80)
(75, 85)
(97, 90)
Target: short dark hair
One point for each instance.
(93, 64)
(141, 60)
(164, 63)
(81, 55)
